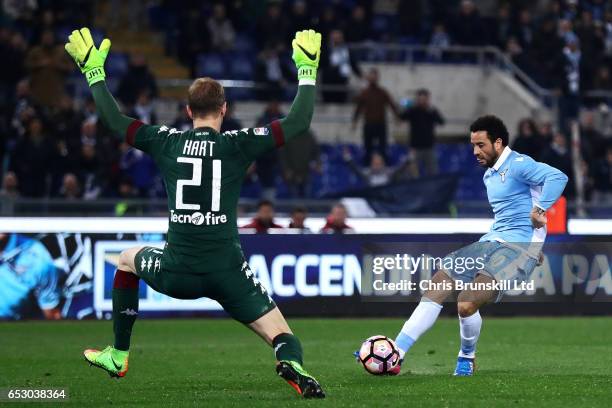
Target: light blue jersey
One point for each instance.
(515, 184)
(26, 269)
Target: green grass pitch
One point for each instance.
(522, 362)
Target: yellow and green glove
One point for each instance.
(90, 59)
(306, 55)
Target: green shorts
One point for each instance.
(236, 289)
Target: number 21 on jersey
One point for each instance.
(196, 181)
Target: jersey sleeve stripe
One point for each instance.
(277, 133)
(130, 134)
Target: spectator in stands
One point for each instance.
(137, 79)
(438, 43)
(229, 120)
(299, 17)
(298, 158)
(31, 160)
(13, 48)
(373, 103)
(182, 121)
(10, 186)
(48, 65)
(144, 110)
(298, 219)
(602, 178)
(547, 48)
(592, 142)
(423, 119)
(336, 221)
(602, 80)
(327, 23)
(524, 30)
(88, 172)
(67, 122)
(378, 173)
(503, 26)
(222, 34)
(571, 70)
(520, 58)
(559, 156)
(71, 189)
(358, 27)
(468, 28)
(272, 72)
(264, 219)
(338, 67)
(266, 165)
(193, 37)
(272, 26)
(25, 108)
(527, 140)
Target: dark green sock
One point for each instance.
(287, 347)
(125, 308)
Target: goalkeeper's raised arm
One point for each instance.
(306, 55)
(90, 61)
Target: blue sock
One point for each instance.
(404, 342)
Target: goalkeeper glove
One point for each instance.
(90, 59)
(306, 55)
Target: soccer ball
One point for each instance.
(379, 355)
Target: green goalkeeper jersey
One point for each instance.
(203, 171)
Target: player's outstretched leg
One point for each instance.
(114, 359)
(470, 323)
(273, 328)
(423, 317)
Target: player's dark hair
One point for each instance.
(299, 209)
(422, 92)
(205, 96)
(494, 127)
(264, 203)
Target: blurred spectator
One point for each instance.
(527, 140)
(31, 160)
(183, 122)
(272, 72)
(127, 192)
(336, 221)
(13, 48)
(299, 17)
(264, 219)
(266, 165)
(222, 34)
(71, 189)
(144, 109)
(558, 155)
(327, 23)
(193, 37)
(373, 103)
(411, 19)
(438, 43)
(503, 26)
(48, 65)
(571, 74)
(25, 108)
(139, 167)
(137, 79)
(229, 121)
(592, 142)
(10, 185)
(524, 30)
(298, 158)
(298, 218)
(423, 118)
(602, 80)
(377, 173)
(357, 28)
(602, 178)
(547, 48)
(272, 27)
(88, 170)
(338, 67)
(468, 28)
(67, 122)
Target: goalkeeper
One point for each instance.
(203, 171)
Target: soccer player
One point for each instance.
(520, 190)
(203, 172)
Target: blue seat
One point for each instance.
(211, 64)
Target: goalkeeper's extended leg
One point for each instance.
(273, 328)
(114, 359)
